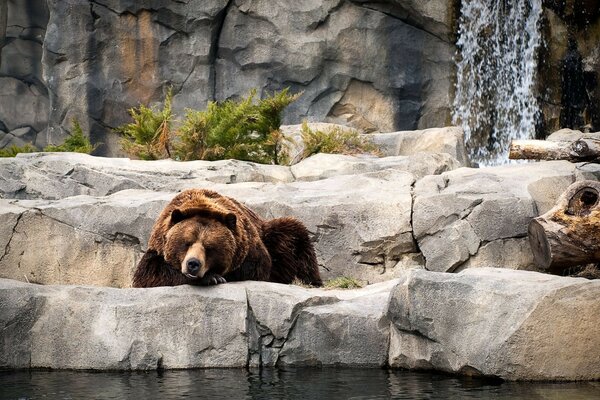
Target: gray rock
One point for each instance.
(25, 133)
(353, 332)
(22, 104)
(78, 327)
(104, 57)
(60, 175)
(326, 50)
(81, 240)
(231, 325)
(516, 325)
(98, 240)
(23, 94)
(322, 165)
(458, 212)
(448, 140)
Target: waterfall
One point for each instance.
(496, 69)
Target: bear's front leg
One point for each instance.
(210, 278)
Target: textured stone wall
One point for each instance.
(378, 66)
(579, 21)
(24, 101)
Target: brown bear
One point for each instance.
(204, 238)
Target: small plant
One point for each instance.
(13, 150)
(76, 142)
(335, 141)
(343, 282)
(148, 136)
(247, 129)
(243, 130)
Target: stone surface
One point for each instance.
(231, 325)
(448, 140)
(458, 213)
(291, 326)
(24, 101)
(22, 105)
(562, 20)
(322, 166)
(516, 325)
(96, 238)
(377, 66)
(78, 327)
(60, 175)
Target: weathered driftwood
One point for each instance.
(568, 234)
(583, 149)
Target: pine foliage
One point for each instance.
(76, 142)
(149, 135)
(247, 129)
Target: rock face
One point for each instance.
(79, 219)
(377, 66)
(579, 21)
(24, 99)
(478, 217)
(515, 325)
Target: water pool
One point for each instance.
(305, 384)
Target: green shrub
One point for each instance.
(14, 150)
(243, 130)
(335, 141)
(148, 136)
(343, 282)
(76, 142)
(247, 129)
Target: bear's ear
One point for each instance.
(230, 220)
(177, 216)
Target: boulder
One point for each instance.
(459, 213)
(515, 325)
(321, 166)
(78, 327)
(98, 240)
(60, 175)
(231, 325)
(448, 140)
(291, 326)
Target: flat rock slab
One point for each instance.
(230, 325)
(516, 325)
(360, 226)
(469, 217)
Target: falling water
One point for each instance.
(496, 68)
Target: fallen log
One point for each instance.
(568, 234)
(583, 149)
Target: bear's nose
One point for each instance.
(193, 265)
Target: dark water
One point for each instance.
(305, 384)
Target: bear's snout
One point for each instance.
(193, 266)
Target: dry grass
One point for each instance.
(589, 271)
(343, 282)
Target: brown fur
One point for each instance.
(229, 239)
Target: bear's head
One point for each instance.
(200, 240)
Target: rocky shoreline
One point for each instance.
(513, 325)
(398, 223)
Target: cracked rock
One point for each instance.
(516, 325)
(458, 211)
(76, 327)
